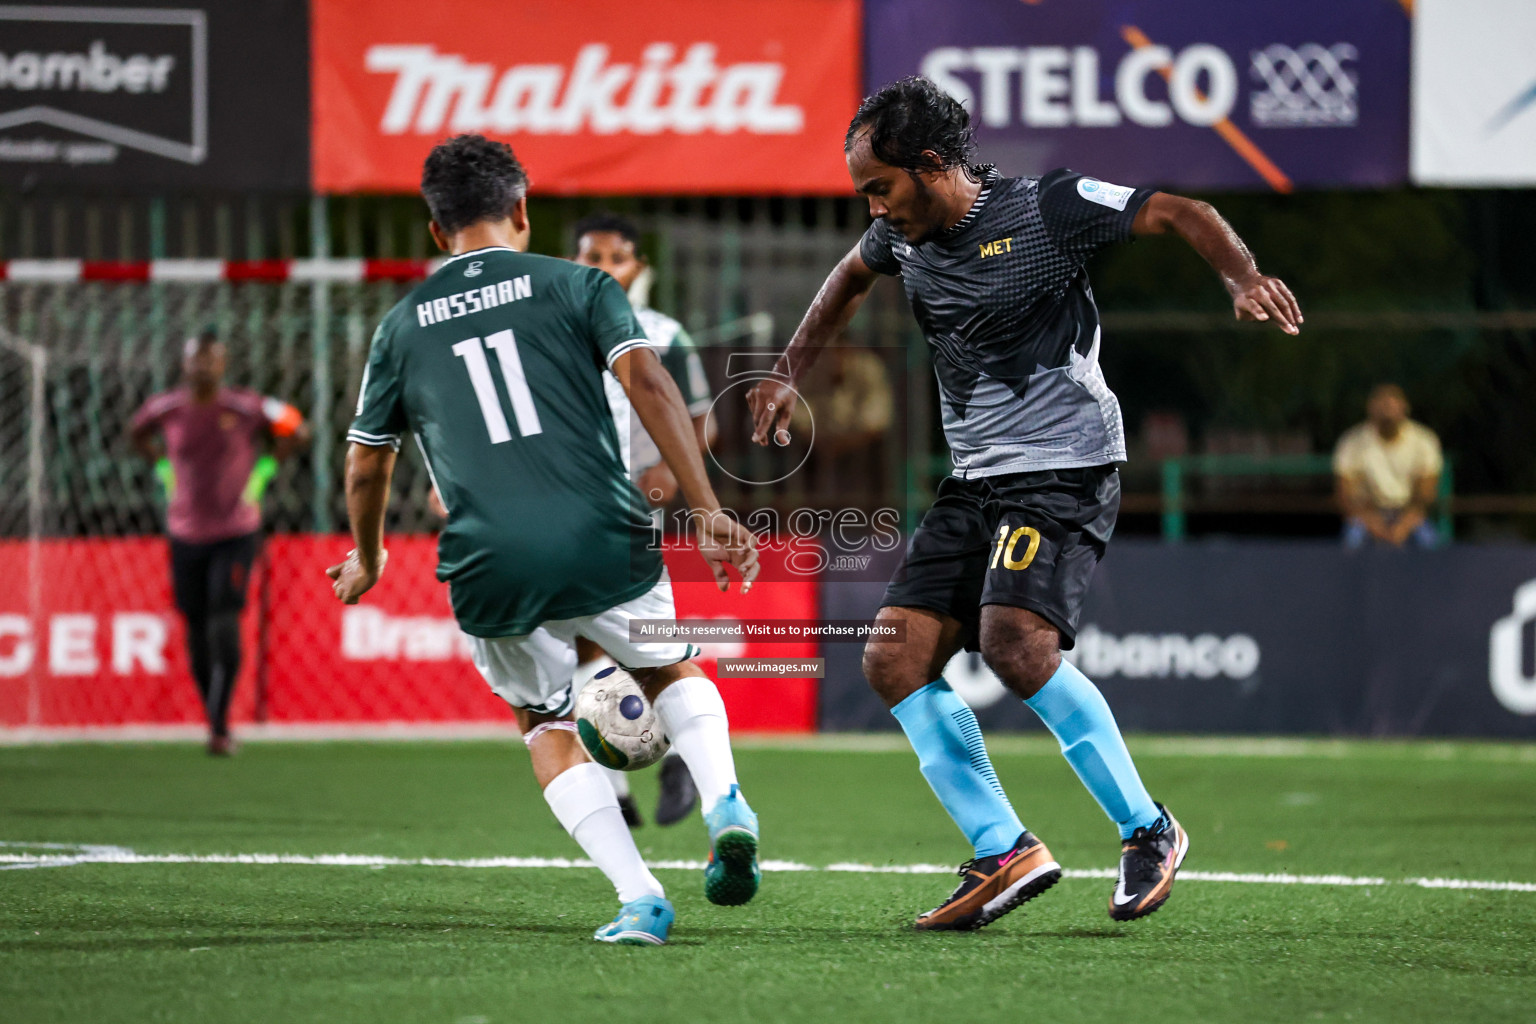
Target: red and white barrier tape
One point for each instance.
(335, 271)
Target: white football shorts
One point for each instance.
(534, 671)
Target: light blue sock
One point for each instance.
(953, 757)
(1077, 714)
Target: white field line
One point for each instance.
(56, 857)
(1002, 743)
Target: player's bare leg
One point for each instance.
(583, 801)
(1010, 865)
(693, 715)
(1025, 652)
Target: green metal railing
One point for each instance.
(1176, 469)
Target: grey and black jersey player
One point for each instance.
(994, 269)
(611, 243)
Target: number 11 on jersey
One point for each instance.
(505, 347)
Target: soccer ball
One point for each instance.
(617, 725)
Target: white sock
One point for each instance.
(618, 780)
(583, 801)
(693, 715)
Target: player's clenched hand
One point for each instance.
(1262, 297)
(722, 541)
(772, 402)
(352, 579)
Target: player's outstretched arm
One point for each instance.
(772, 401)
(369, 469)
(289, 444)
(1255, 296)
(660, 407)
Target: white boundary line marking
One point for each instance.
(1000, 744)
(64, 855)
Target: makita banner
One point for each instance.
(1178, 93)
(146, 94)
(1474, 92)
(677, 96)
(88, 637)
(1271, 638)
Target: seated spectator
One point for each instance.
(1388, 472)
(849, 395)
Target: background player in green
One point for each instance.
(611, 243)
(495, 364)
(994, 269)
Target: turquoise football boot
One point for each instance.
(731, 877)
(641, 922)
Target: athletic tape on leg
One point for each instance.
(544, 727)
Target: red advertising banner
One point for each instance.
(88, 637)
(676, 96)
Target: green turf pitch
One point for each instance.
(247, 942)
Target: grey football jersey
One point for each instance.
(1004, 302)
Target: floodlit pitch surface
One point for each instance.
(121, 920)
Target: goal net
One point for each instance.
(89, 638)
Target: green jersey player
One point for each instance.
(611, 243)
(495, 364)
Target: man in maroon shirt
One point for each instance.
(210, 437)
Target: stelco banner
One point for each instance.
(141, 94)
(1272, 638)
(1183, 93)
(96, 643)
(679, 96)
(1474, 92)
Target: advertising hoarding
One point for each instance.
(679, 96)
(97, 643)
(1474, 93)
(146, 95)
(1175, 93)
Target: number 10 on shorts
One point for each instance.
(505, 346)
(1007, 544)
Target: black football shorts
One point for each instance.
(1027, 540)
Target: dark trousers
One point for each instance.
(209, 581)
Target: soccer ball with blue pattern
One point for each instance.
(617, 725)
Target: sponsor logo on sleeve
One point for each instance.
(1102, 192)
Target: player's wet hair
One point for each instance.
(614, 223)
(469, 178)
(910, 116)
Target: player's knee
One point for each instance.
(1023, 658)
(889, 674)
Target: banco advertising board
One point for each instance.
(1271, 637)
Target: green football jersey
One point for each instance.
(495, 364)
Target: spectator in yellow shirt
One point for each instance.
(1388, 472)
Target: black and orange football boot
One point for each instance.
(992, 886)
(1148, 862)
